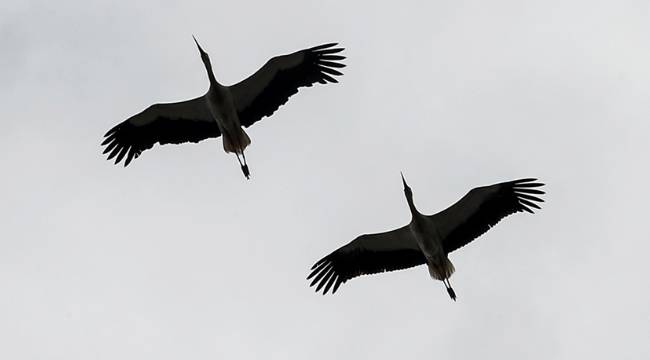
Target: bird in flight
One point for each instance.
(427, 239)
(224, 109)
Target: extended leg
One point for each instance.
(244, 166)
(450, 291)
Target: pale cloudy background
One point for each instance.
(178, 257)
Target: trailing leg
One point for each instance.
(450, 291)
(244, 166)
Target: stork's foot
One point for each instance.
(244, 169)
(451, 293)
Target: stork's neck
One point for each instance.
(412, 208)
(208, 68)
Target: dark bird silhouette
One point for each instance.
(224, 109)
(428, 238)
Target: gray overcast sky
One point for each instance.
(178, 257)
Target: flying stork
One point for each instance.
(428, 238)
(224, 109)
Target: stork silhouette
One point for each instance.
(427, 239)
(223, 110)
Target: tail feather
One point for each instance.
(441, 271)
(236, 143)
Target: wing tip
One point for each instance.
(325, 276)
(526, 209)
(527, 182)
(326, 50)
(522, 191)
(106, 140)
(319, 262)
(324, 46)
(111, 131)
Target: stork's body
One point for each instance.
(223, 110)
(427, 239)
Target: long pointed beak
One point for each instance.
(197, 44)
(403, 181)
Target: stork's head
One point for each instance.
(204, 55)
(409, 196)
(407, 189)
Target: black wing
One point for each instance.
(483, 208)
(271, 86)
(367, 254)
(173, 123)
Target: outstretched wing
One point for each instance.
(271, 86)
(482, 208)
(173, 123)
(367, 254)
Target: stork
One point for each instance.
(427, 239)
(224, 109)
